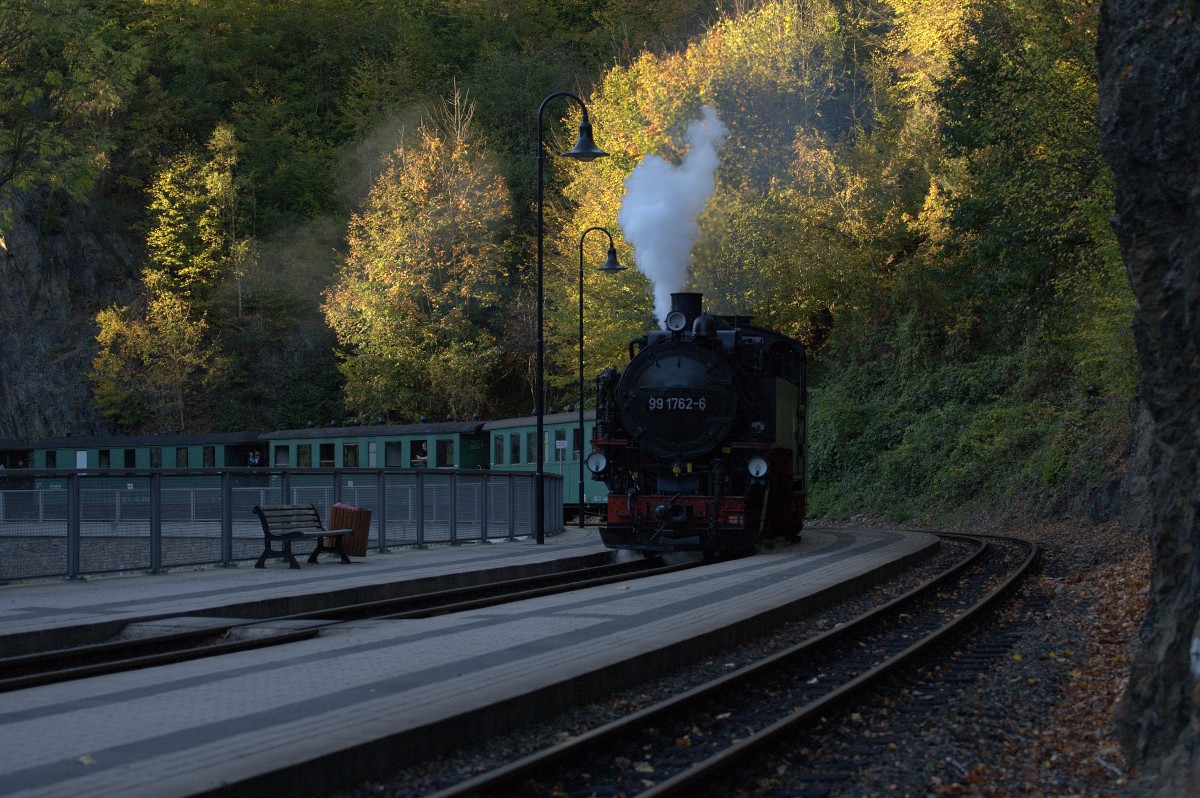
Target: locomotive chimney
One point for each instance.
(687, 304)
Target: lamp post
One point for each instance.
(610, 265)
(585, 149)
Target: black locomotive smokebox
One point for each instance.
(677, 400)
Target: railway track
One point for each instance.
(223, 636)
(687, 743)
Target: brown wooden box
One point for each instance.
(342, 516)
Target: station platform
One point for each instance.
(365, 698)
(56, 613)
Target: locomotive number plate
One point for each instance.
(683, 403)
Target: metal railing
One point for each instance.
(71, 523)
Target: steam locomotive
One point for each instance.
(701, 440)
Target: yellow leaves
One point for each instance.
(424, 259)
(921, 45)
(778, 45)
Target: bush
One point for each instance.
(958, 437)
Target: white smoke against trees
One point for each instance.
(662, 202)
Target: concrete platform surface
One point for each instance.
(313, 717)
(57, 612)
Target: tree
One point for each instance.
(65, 69)
(150, 368)
(117, 369)
(198, 237)
(151, 363)
(417, 294)
(1020, 110)
(185, 241)
(178, 352)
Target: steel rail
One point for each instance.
(741, 749)
(502, 779)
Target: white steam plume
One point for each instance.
(658, 212)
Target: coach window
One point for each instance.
(445, 453)
(325, 454)
(131, 458)
(514, 448)
(420, 454)
(105, 458)
(51, 459)
(181, 457)
(577, 436)
(210, 456)
(498, 450)
(531, 447)
(304, 455)
(283, 455)
(372, 454)
(349, 455)
(155, 457)
(393, 454)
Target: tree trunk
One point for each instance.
(1149, 58)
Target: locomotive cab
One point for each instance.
(700, 440)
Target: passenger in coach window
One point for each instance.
(254, 460)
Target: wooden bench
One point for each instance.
(288, 522)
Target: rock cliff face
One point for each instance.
(57, 267)
(1149, 52)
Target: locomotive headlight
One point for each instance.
(676, 321)
(757, 467)
(596, 462)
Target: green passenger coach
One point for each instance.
(512, 447)
(98, 452)
(447, 444)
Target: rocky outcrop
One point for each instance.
(58, 265)
(1149, 53)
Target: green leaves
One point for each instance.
(155, 364)
(1001, 332)
(65, 69)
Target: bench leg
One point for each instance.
(284, 553)
(287, 553)
(339, 548)
(268, 553)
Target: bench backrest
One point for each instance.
(280, 519)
